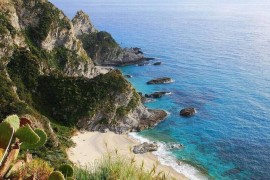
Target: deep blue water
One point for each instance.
(218, 53)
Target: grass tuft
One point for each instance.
(116, 167)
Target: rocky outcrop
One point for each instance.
(187, 112)
(125, 113)
(82, 24)
(101, 46)
(163, 80)
(174, 146)
(49, 29)
(145, 147)
(157, 63)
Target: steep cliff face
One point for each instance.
(101, 46)
(45, 70)
(40, 25)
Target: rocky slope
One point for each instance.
(47, 71)
(101, 46)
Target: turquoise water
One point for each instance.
(218, 53)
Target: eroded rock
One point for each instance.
(145, 147)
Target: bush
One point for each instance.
(37, 167)
(68, 99)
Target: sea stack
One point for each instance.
(187, 112)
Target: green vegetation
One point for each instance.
(98, 43)
(56, 175)
(37, 167)
(66, 170)
(23, 69)
(116, 167)
(50, 15)
(73, 98)
(9, 103)
(5, 25)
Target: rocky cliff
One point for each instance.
(47, 71)
(101, 46)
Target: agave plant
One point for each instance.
(15, 134)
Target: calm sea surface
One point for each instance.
(218, 53)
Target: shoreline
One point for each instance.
(92, 146)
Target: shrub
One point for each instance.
(37, 167)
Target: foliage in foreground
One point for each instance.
(115, 167)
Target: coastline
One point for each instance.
(91, 146)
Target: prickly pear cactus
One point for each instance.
(70, 178)
(26, 135)
(67, 170)
(6, 134)
(43, 137)
(14, 121)
(56, 175)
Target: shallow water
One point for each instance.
(218, 53)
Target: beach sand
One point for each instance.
(91, 146)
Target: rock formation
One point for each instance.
(145, 147)
(156, 94)
(188, 112)
(101, 46)
(162, 80)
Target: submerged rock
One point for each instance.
(162, 80)
(157, 63)
(156, 94)
(128, 76)
(188, 112)
(145, 147)
(143, 63)
(174, 146)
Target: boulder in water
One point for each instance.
(187, 112)
(162, 80)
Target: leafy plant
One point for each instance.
(13, 133)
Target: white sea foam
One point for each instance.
(166, 158)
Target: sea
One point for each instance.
(218, 54)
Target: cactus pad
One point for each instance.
(14, 121)
(70, 178)
(56, 175)
(6, 134)
(27, 135)
(67, 170)
(43, 138)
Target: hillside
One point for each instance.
(48, 74)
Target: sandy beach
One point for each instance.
(91, 146)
